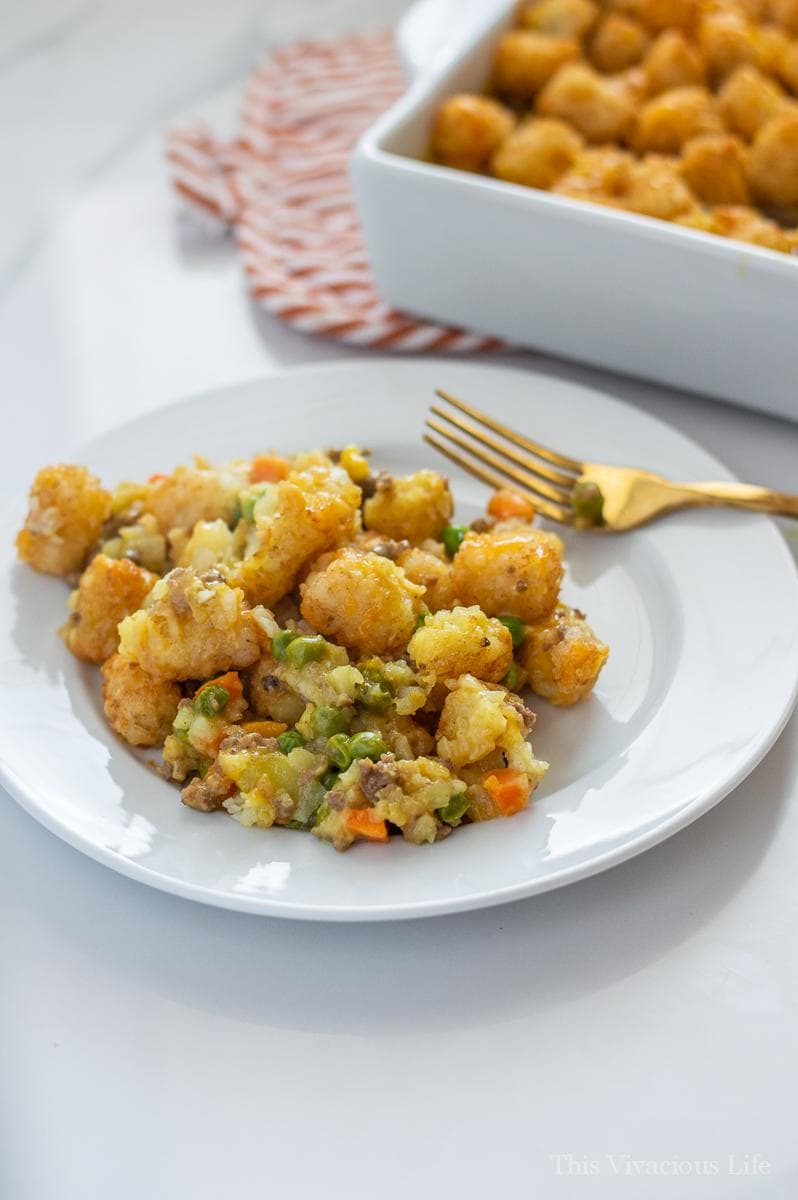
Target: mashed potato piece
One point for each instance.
(477, 720)
(364, 601)
(468, 129)
(414, 507)
(562, 657)
(209, 544)
(138, 707)
(194, 626)
(269, 694)
(516, 571)
(66, 510)
(310, 512)
(109, 590)
(462, 642)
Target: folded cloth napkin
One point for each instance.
(282, 185)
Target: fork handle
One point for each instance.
(742, 495)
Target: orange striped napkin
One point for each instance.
(282, 185)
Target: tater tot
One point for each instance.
(138, 707)
(670, 119)
(363, 601)
(788, 66)
(537, 153)
(673, 62)
(726, 39)
(562, 656)
(785, 13)
(433, 573)
(598, 106)
(462, 641)
(667, 14)
(741, 223)
(109, 590)
(517, 571)
(192, 494)
(748, 99)
(525, 61)
(468, 129)
(194, 626)
(619, 42)
(309, 513)
(67, 507)
(773, 161)
(559, 18)
(600, 174)
(713, 167)
(655, 189)
(770, 46)
(413, 507)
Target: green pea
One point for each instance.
(310, 797)
(290, 740)
(236, 515)
(455, 809)
(211, 700)
(328, 720)
(452, 537)
(329, 780)
(366, 745)
(338, 751)
(303, 650)
(512, 678)
(248, 508)
(588, 502)
(281, 641)
(421, 620)
(516, 627)
(375, 697)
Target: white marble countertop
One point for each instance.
(642, 1021)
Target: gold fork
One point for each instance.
(584, 494)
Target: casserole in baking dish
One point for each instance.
(591, 283)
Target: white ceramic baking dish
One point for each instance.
(617, 290)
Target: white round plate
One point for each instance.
(699, 611)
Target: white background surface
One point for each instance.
(153, 1048)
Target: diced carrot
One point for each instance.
(231, 683)
(156, 477)
(268, 468)
(508, 789)
(364, 823)
(505, 504)
(266, 729)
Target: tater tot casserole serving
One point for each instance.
(315, 644)
(681, 110)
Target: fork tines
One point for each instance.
(508, 460)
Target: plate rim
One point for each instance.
(25, 794)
